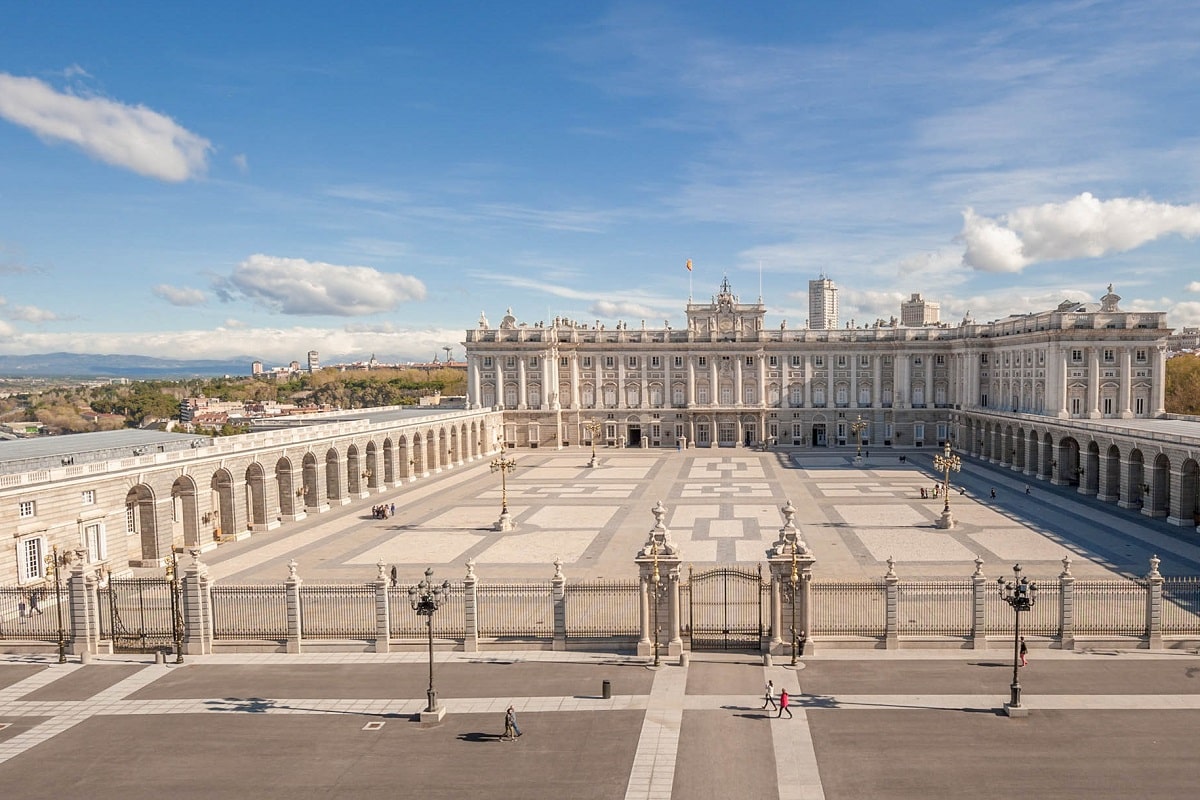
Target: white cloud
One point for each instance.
(298, 286)
(31, 314)
(241, 162)
(133, 137)
(1194, 286)
(623, 309)
(180, 295)
(1083, 227)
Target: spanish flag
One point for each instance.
(689, 265)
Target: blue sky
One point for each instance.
(262, 179)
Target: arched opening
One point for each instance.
(418, 459)
(1160, 487)
(140, 519)
(290, 490)
(256, 497)
(1189, 494)
(333, 477)
(1137, 488)
(354, 472)
(311, 482)
(226, 503)
(1111, 478)
(1089, 479)
(185, 517)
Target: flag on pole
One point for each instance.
(689, 265)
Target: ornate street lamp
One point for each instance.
(503, 466)
(791, 594)
(857, 427)
(657, 592)
(1021, 594)
(425, 599)
(947, 462)
(594, 427)
(174, 582)
(55, 562)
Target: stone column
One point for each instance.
(1093, 385)
(85, 610)
(1126, 383)
(295, 637)
(691, 381)
(806, 380)
(1154, 605)
(1066, 622)
(383, 616)
(470, 610)
(1159, 383)
(558, 595)
(675, 644)
(196, 590)
(892, 629)
(979, 589)
(789, 556)
(785, 394)
(658, 554)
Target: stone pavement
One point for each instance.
(723, 507)
(902, 724)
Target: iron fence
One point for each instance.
(137, 614)
(449, 621)
(1044, 619)
(338, 611)
(602, 608)
(1110, 607)
(31, 613)
(849, 608)
(1181, 605)
(942, 608)
(516, 610)
(249, 612)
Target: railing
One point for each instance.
(849, 608)
(1110, 607)
(249, 612)
(448, 621)
(1044, 619)
(516, 611)
(601, 608)
(1181, 605)
(943, 608)
(19, 621)
(337, 611)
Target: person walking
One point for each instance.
(1024, 652)
(993, 492)
(783, 704)
(35, 597)
(769, 697)
(393, 510)
(510, 724)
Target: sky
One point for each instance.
(228, 180)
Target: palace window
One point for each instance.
(609, 362)
(655, 362)
(1109, 355)
(939, 360)
(631, 362)
(677, 396)
(773, 361)
(983, 358)
(95, 542)
(487, 362)
(510, 362)
(1077, 355)
(1140, 355)
(678, 362)
(841, 361)
(749, 361)
(797, 361)
(563, 361)
(88, 497)
(587, 362)
(27, 508)
(864, 361)
(702, 361)
(818, 361)
(31, 562)
(533, 361)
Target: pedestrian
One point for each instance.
(1024, 653)
(783, 704)
(962, 490)
(1027, 488)
(34, 599)
(393, 510)
(395, 576)
(21, 610)
(993, 492)
(922, 492)
(510, 724)
(868, 454)
(769, 697)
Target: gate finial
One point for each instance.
(660, 537)
(789, 540)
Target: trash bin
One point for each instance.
(606, 690)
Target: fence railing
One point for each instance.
(31, 614)
(516, 610)
(596, 609)
(1110, 607)
(1044, 619)
(849, 608)
(448, 621)
(941, 608)
(1181, 605)
(338, 611)
(249, 612)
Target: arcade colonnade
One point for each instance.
(1162, 479)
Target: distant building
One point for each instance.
(314, 361)
(256, 368)
(822, 304)
(917, 312)
(1184, 340)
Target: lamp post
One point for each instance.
(791, 593)
(176, 605)
(503, 466)
(657, 589)
(1021, 594)
(947, 462)
(857, 427)
(57, 561)
(594, 427)
(425, 599)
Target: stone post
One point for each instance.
(295, 636)
(1154, 584)
(383, 615)
(470, 610)
(85, 610)
(558, 595)
(675, 644)
(892, 630)
(196, 589)
(789, 556)
(979, 588)
(1066, 620)
(658, 554)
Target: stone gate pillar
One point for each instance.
(196, 596)
(85, 609)
(658, 574)
(791, 563)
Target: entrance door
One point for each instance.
(725, 608)
(818, 435)
(726, 434)
(635, 436)
(750, 433)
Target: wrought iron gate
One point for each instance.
(142, 615)
(725, 609)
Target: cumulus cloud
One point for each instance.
(179, 295)
(31, 314)
(1083, 227)
(1194, 286)
(133, 137)
(297, 286)
(622, 309)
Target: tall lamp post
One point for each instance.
(1021, 594)
(176, 605)
(657, 590)
(425, 599)
(791, 593)
(56, 562)
(857, 427)
(947, 462)
(594, 426)
(504, 466)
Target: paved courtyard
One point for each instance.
(900, 724)
(723, 506)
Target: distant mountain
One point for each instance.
(91, 365)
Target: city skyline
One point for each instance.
(210, 184)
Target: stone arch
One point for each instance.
(257, 513)
(139, 510)
(354, 472)
(404, 457)
(417, 462)
(1019, 442)
(1008, 453)
(1067, 456)
(1047, 462)
(371, 465)
(310, 482)
(1089, 479)
(389, 462)
(454, 457)
(1189, 494)
(1136, 487)
(443, 448)
(333, 477)
(185, 512)
(226, 502)
(1032, 453)
(1160, 487)
(289, 489)
(1110, 483)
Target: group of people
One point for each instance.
(383, 511)
(785, 700)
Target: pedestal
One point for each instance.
(593, 462)
(505, 523)
(858, 460)
(1015, 711)
(433, 717)
(946, 521)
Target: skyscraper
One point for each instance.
(917, 312)
(822, 303)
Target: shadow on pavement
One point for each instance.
(477, 737)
